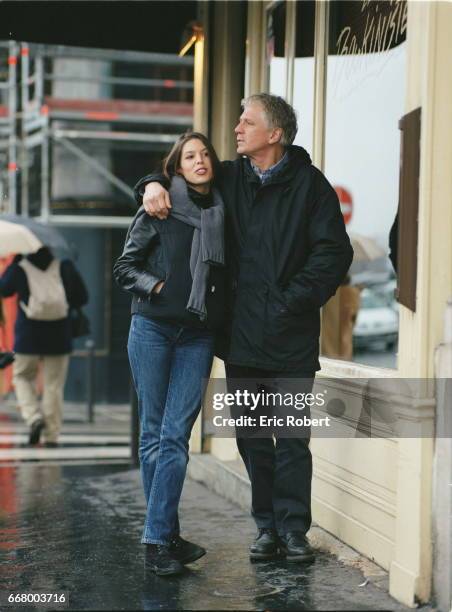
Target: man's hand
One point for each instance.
(158, 287)
(156, 201)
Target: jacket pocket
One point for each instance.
(276, 304)
(161, 294)
(287, 335)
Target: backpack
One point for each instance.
(47, 301)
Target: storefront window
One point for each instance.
(275, 48)
(364, 102)
(303, 91)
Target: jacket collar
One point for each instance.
(265, 175)
(297, 157)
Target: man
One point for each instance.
(287, 253)
(46, 290)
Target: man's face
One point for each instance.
(252, 131)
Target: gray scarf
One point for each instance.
(207, 248)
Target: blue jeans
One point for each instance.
(168, 364)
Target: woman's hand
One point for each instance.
(156, 201)
(158, 287)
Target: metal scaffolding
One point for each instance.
(8, 112)
(49, 120)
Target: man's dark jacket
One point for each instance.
(287, 252)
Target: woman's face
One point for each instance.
(196, 165)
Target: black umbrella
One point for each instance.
(48, 235)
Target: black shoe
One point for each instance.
(51, 444)
(35, 432)
(184, 551)
(159, 560)
(296, 548)
(265, 546)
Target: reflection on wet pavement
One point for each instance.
(77, 529)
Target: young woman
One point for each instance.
(173, 268)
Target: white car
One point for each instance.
(376, 323)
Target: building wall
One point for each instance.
(428, 86)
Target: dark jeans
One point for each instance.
(280, 469)
(168, 364)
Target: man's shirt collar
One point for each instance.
(264, 175)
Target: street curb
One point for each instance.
(217, 476)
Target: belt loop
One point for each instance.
(179, 334)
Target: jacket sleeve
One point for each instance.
(9, 280)
(129, 270)
(330, 252)
(76, 291)
(149, 178)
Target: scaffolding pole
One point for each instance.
(40, 112)
(12, 145)
(97, 166)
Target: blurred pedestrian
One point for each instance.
(394, 242)
(338, 321)
(6, 357)
(174, 271)
(47, 288)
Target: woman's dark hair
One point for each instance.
(171, 163)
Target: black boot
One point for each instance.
(265, 546)
(295, 546)
(158, 559)
(184, 551)
(35, 432)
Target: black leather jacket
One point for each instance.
(160, 250)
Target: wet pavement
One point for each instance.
(107, 438)
(76, 529)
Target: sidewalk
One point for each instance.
(107, 438)
(71, 520)
(76, 529)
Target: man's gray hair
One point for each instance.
(279, 114)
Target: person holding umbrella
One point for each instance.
(47, 289)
